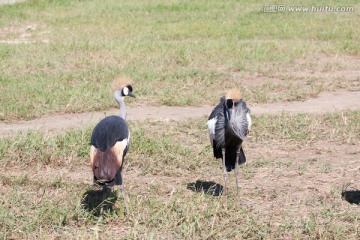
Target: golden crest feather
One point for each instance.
(234, 94)
(120, 82)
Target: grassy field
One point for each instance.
(302, 173)
(61, 56)
(291, 187)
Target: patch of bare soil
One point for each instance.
(327, 102)
(318, 171)
(24, 34)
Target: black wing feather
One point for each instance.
(230, 154)
(109, 131)
(218, 109)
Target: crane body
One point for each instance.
(109, 144)
(229, 123)
(110, 141)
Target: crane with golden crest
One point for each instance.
(110, 141)
(229, 123)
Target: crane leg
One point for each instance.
(237, 172)
(102, 201)
(125, 199)
(225, 176)
(119, 182)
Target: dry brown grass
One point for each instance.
(298, 166)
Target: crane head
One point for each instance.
(127, 91)
(122, 86)
(231, 98)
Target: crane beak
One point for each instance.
(131, 95)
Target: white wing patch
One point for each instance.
(119, 149)
(92, 154)
(248, 118)
(211, 125)
(124, 143)
(126, 91)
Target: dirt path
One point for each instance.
(327, 102)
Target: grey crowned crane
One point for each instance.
(228, 124)
(109, 144)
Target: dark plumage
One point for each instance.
(224, 136)
(110, 141)
(109, 131)
(228, 124)
(110, 138)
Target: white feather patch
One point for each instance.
(126, 91)
(248, 118)
(211, 125)
(92, 154)
(119, 149)
(124, 143)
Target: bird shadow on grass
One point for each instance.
(209, 188)
(352, 196)
(93, 200)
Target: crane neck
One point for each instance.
(120, 99)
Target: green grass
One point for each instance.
(178, 52)
(170, 141)
(308, 128)
(47, 193)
